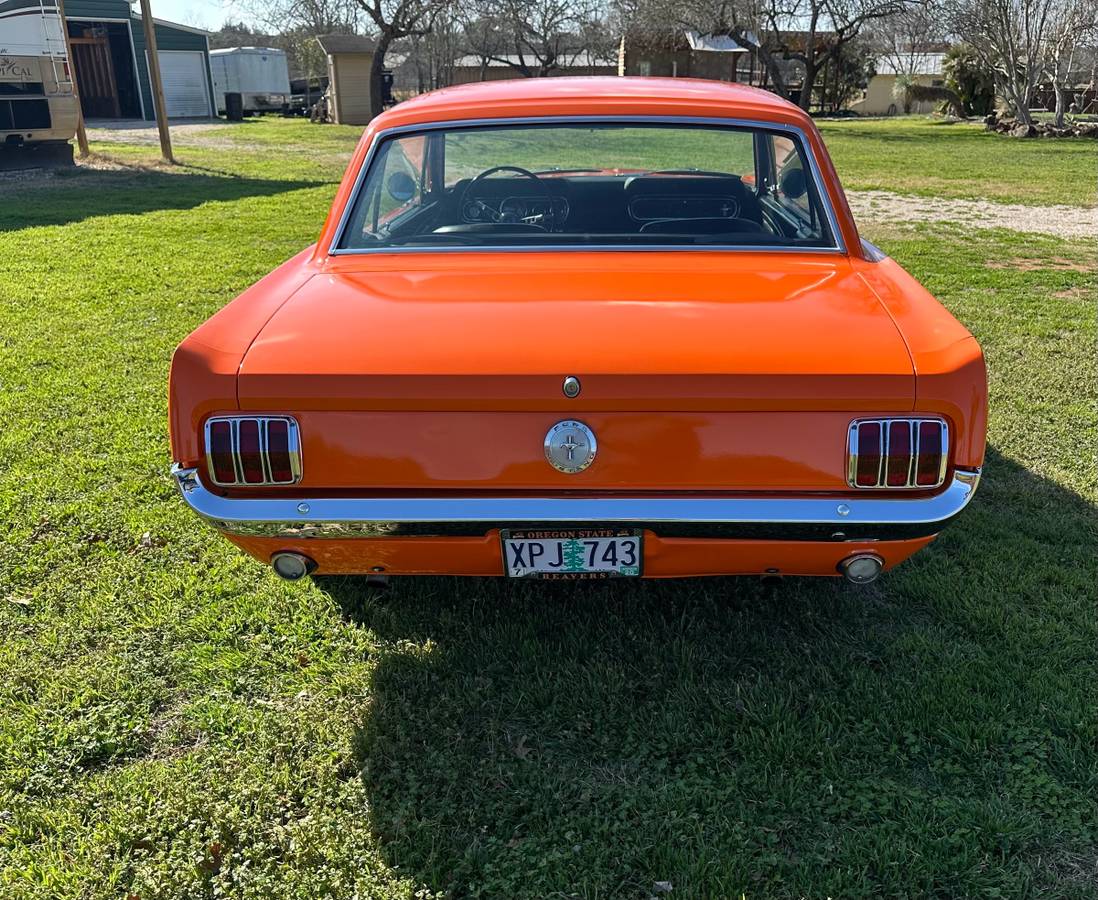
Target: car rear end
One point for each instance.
(620, 369)
(778, 431)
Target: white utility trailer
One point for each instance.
(259, 74)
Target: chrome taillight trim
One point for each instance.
(883, 447)
(293, 443)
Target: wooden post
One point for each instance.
(81, 132)
(157, 84)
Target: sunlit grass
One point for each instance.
(920, 155)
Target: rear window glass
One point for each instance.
(588, 184)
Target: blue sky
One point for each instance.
(200, 13)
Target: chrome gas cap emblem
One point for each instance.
(571, 387)
(570, 446)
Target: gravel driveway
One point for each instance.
(1061, 221)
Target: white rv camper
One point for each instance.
(259, 74)
(37, 104)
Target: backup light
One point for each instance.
(897, 453)
(253, 450)
(861, 569)
(291, 566)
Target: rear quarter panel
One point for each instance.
(204, 368)
(950, 375)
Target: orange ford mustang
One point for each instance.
(583, 328)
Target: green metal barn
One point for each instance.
(111, 64)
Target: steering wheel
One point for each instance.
(494, 214)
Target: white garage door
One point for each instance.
(186, 93)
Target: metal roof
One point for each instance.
(913, 64)
(345, 43)
(714, 43)
(225, 51)
(582, 59)
(163, 22)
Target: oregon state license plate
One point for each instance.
(572, 553)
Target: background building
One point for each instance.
(685, 54)
(469, 68)
(883, 98)
(350, 58)
(111, 65)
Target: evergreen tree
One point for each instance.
(573, 556)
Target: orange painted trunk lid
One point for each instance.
(673, 331)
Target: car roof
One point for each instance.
(624, 98)
(593, 96)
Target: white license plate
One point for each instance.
(572, 553)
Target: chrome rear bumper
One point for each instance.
(815, 518)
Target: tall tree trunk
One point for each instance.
(1015, 98)
(810, 61)
(377, 66)
(1021, 107)
(775, 74)
(1061, 103)
(810, 71)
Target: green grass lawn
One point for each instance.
(177, 723)
(925, 156)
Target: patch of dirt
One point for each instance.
(147, 133)
(1077, 869)
(93, 163)
(1023, 264)
(24, 175)
(1060, 221)
(1075, 293)
(187, 134)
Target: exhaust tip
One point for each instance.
(292, 566)
(862, 568)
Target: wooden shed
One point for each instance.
(350, 58)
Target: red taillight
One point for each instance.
(869, 454)
(219, 437)
(928, 466)
(897, 453)
(251, 460)
(253, 450)
(278, 450)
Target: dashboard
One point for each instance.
(612, 203)
(536, 208)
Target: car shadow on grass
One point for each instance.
(74, 197)
(926, 735)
